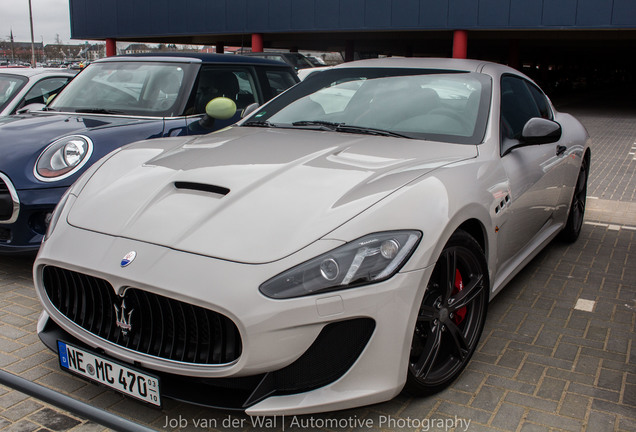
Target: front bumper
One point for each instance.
(23, 231)
(280, 337)
(333, 352)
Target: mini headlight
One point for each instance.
(370, 259)
(63, 158)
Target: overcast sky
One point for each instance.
(50, 17)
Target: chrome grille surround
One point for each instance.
(161, 327)
(6, 187)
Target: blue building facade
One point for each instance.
(209, 19)
(583, 36)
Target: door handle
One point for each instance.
(560, 150)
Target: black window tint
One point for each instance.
(542, 101)
(517, 106)
(233, 83)
(279, 81)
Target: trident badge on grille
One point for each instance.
(122, 320)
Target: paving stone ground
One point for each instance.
(541, 364)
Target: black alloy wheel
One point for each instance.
(451, 317)
(574, 223)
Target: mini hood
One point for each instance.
(248, 194)
(22, 138)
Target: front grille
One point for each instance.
(159, 326)
(6, 202)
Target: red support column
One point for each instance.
(111, 47)
(220, 49)
(460, 44)
(257, 42)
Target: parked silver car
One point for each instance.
(20, 87)
(339, 245)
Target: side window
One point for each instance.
(279, 81)
(41, 91)
(233, 83)
(517, 106)
(542, 101)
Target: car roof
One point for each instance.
(193, 57)
(450, 64)
(30, 72)
(271, 53)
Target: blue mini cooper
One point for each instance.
(114, 102)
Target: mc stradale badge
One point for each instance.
(128, 258)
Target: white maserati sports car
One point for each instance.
(337, 246)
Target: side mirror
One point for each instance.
(540, 131)
(220, 108)
(30, 107)
(249, 109)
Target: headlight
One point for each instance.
(370, 259)
(63, 158)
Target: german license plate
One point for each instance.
(122, 378)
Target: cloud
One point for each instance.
(50, 17)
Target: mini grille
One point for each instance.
(160, 326)
(6, 202)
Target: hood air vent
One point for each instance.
(219, 190)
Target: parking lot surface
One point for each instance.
(557, 352)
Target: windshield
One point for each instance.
(10, 85)
(412, 103)
(130, 88)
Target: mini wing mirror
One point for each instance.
(220, 108)
(30, 107)
(540, 131)
(249, 109)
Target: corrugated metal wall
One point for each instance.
(97, 19)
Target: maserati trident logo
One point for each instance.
(122, 320)
(128, 258)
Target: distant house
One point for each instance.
(62, 52)
(21, 51)
(137, 49)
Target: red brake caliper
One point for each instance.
(460, 314)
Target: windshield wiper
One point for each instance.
(259, 123)
(98, 111)
(322, 125)
(367, 130)
(343, 127)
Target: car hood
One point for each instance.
(22, 138)
(248, 194)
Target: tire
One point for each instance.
(451, 317)
(572, 227)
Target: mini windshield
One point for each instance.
(10, 85)
(129, 88)
(421, 104)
